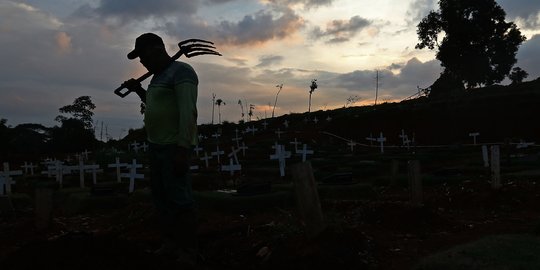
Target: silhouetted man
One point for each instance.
(170, 120)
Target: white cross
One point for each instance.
(85, 153)
(59, 170)
(5, 177)
(251, 129)
(135, 146)
(194, 167)
(27, 166)
(371, 139)
(265, 125)
(197, 149)
(201, 137)
(94, 169)
(117, 165)
(216, 135)
(523, 144)
(218, 153)
(144, 146)
(295, 143)
(381, 140)
(405, 139)
(244, 148)
(329, 118)
(231, 167)
(315, 120)
(81, 167)
(286, 124)
(233, 154)
(281, 155)
(206, 158)
(352, 144)
(236, 138)
(474, 135)
(279, 132)
(304, 152)
(133, 174)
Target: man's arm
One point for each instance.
(135, 86)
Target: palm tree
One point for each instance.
(313, 86)
(213, 103)
(280, 86)
(219, 101)
(241, 107)
(251, 108)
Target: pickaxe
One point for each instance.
(188, 47)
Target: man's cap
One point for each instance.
(145, 41)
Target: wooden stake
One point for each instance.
(307, 198)
(415, 182)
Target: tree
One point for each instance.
(518, 75)
(478, 47)
(242, 108)
(81, 110)
(280, 86)
(250, 113)
(312, 88)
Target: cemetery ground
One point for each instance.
(371, 222)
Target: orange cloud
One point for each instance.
(63, 41)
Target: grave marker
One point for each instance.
(197, 149)
(522, 144)
(144, 146)
(415, 182)
(286, 124)
(495, 167)
(135, 146)
(295, 143)
(27, 166)
(265, 125)
(236, 138)
(7, 180)
(371, 139)
(231, 167)
(281, 155)
(218, 153)
(352, 144)
(315, 120)
(307, 198)
(485, 156)
(118, 165)
(381, 140)
(132, 175)
(328, 119)
(279, 132)
(206, 158)
(304, 152)
(474, 135)
(244, 148)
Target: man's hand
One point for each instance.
(134, 86)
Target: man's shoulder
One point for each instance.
(184, 71)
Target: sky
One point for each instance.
(55, 51)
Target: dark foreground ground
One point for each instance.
(383, 232)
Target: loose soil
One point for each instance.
(383, 232)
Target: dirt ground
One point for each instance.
(383, 232)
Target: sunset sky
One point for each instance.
(55, 51)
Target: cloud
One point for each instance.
(128, 10)
(529, 56)
(418, 9)
(339, 31)
(259, 27)
(306, 3)
(268, 60)
(526, 11)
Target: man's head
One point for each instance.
(150, 49)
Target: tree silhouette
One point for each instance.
(219, 102)
(81, 110)
(312, 88)
(518, 75)
(478, 47)
(250, 113)
(280, 86)
(241, 107)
